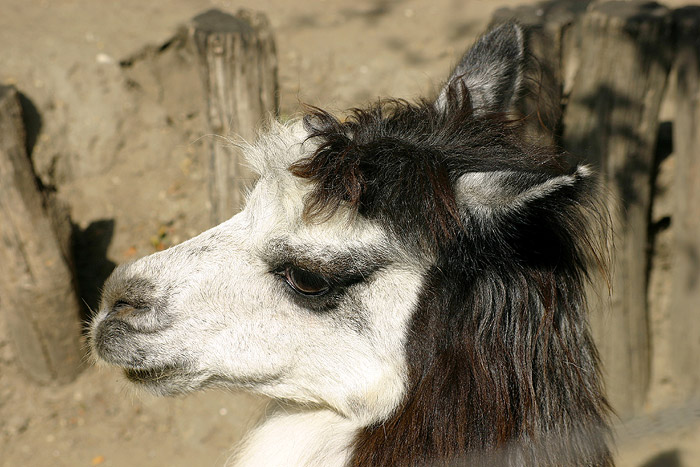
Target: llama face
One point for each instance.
(317, 311)
(311, 312)
(406, 267)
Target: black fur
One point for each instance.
(398, 162)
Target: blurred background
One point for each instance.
(108, 102)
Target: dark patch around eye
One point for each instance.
(341, 266)
(329, 292)
(339, 270)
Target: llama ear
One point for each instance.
(491, 71)
(492, 193)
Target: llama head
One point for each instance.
(309, 293)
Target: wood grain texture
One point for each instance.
(238, 67)
(684, 307)
(37, 293)
(608, 64)
(617, 60)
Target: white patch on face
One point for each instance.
(233, 322)
(279, 147)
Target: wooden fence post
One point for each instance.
(609, 63)
(238, 67)
(684, 308)
(617, 56)
(37, 293)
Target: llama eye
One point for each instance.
(305, 282)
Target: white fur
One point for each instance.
(233, 321)
(312, 438)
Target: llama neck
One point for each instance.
(310, 438)
(504, 373)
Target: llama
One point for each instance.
(408, 282)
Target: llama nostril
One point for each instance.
(121, 304)
(126, 294)
(123, 308)
(133, 303)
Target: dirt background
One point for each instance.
(125, 148)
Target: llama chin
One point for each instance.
(409, 281)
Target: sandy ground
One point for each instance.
(63, 55)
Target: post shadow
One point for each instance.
(92, 267)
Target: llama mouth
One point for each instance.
(151, 375)
(167, 380)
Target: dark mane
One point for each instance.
(502, 366)
(397, 161)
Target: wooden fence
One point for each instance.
(623, 83)
(626, 77)
(236, 58)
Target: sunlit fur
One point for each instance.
(455, 329)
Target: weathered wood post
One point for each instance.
(684, 303)
(608, 62)
(238, 67)
(616, 62)
(37, 294)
